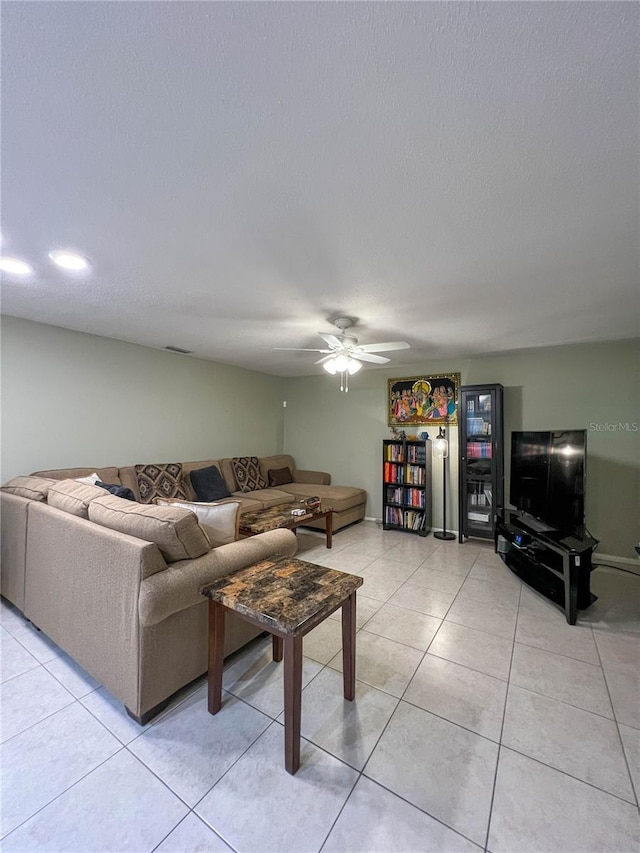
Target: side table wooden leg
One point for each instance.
(292, 701)
(329, 528)
(216, 655)
(277, 647)
(349, 646)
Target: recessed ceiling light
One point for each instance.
(69, 260)
(15, 266)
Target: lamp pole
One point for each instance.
(441, 449)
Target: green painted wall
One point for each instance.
(574, 387)
(70, 399)
(75, 399)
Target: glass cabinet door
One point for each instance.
(480, 465)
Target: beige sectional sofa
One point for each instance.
(128, 608)
(347, 502)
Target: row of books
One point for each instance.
(479, 494)
(416, 454)
(479, 450)
(396, 453)
(412, 497)
(413, 474)
(480, 499)
(407, 518)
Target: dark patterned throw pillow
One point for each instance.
(160, 481)
(247, 473)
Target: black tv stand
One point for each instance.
(556, 563)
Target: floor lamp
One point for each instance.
(441, 451)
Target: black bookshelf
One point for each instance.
(406, 486)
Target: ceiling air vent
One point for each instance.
(180, 350)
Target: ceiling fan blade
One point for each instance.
(385, 347)
(365, 356)
(299, 349)
(331, 340)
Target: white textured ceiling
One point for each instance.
(463, 176)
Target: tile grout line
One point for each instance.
(68, 788)
(504, 715)
(569, 775)
(617, 724)
(399, 700)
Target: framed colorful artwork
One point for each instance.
(423, 400)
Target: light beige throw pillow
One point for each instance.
(218, 520)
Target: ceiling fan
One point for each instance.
(344, 355)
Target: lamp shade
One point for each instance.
(353, 366)
(330, 366)
(441, 446)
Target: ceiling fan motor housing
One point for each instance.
(343, 323)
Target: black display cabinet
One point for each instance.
(481, 464)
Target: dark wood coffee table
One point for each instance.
(261, 520)
(288, 598)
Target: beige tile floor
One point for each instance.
(482, 721)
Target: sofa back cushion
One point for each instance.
(107, 475)
(162, 480)
(247, 472)
(208, 484)
(278, 460)
(174, 530)
(35, 488)
(220, 521)
(73, 497)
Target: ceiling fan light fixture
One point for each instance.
(69, 260)
(341, 362)
(15, 266)
(330, 366)
(353, 366)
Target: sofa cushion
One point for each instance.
(174, 530)
(280, 476)
(247, 472)
(35, 488)
(219, 521)
(107, 475)
(208, 484)
(160, 481)
(265, 498)
(73, 497)
(337, 498)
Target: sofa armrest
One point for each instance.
(179, 587)
(317, 478)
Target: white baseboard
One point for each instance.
(628, 563)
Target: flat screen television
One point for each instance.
(548, 472)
